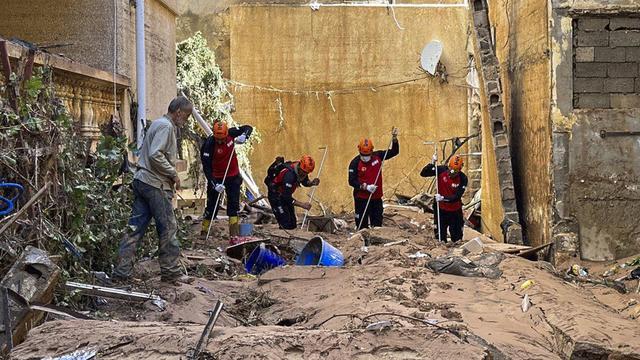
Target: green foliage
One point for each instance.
(84, 210)
(200, 78)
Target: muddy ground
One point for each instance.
(298, 312)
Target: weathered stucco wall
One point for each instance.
(522, 46)
(342, 48)
(596, 193)
(86, 28)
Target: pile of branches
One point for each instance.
(84, 211)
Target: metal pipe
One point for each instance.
(366, 5)
(141, 75)
(435, 166)
(313, 191)
(196, 114)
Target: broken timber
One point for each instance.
(492, 100)
(33, 277)
(95, 290)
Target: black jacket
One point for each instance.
(208, 148)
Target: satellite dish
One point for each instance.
(431, 56)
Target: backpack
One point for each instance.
(274, 169)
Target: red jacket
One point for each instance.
(361, 172)
(452, 188)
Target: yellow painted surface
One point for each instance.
(522, 42)
(294, 48)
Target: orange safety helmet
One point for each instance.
(456, 163)
(307, 164)
(220, 130)
(365, 146)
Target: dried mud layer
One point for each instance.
(322, 313)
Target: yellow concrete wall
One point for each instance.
(343, 48)
(522, 46)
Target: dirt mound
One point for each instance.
(314, 312)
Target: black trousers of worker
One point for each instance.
(284, 212)
(232, 188)
(452, 220)
(373, 215)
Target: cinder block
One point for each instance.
(619, 85)
(633, 54)
(585, 54)
(496, 111)
(624, 38)
(625, 101)
(592, 24)
(473, 246)
(596, 38)
(588, 85)
(638, 85)
(593, 101)
(622, 70)
(624, 23)
(606, 54)
(591, 70)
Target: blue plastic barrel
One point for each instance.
(262, 259)
(319, 252)
(246, 229)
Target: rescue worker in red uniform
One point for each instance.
(287, 177)
(452, 183)
(218, 152)
(364, 178)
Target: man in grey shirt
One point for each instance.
(153, 188)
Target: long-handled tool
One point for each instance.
(435, 166)
(364, 213)
(206, 332)
(224, 179)
(313, 191)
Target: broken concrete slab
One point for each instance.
(33, 277)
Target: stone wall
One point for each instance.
(606, 62)
(595, 185)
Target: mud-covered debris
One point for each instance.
(455, 265)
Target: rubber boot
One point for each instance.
(205, 227)
(234, 226)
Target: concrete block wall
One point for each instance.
(606, 62)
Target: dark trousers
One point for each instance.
(150, 202)
(452, 220)
(232, 188)
(285, 213)
(373, 215)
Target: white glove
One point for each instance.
(439, 197)
(434, 159)
(372, 188)
(220, 188)
(241, 139)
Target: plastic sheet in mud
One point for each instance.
(456, 265)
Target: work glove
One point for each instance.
(315, 182)
(434, 159)
(241, 139)
(372, 188)
(439, 198)
(394, 133)
(220, 188)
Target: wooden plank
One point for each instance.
(95, 290)
(507, 248)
